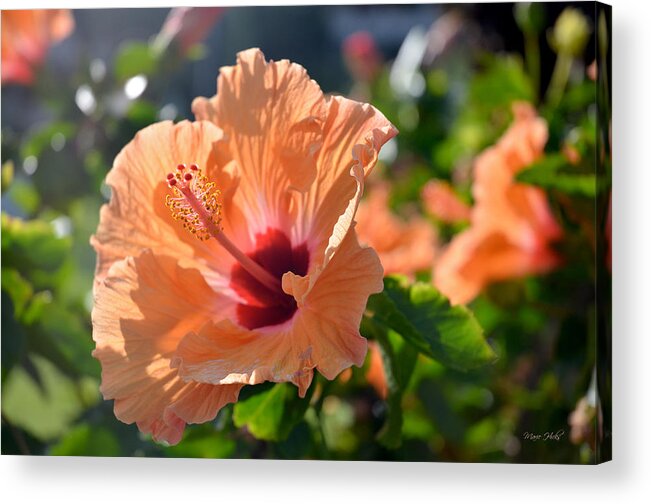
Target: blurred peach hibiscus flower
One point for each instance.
(26, 37)
(403, 246)
(269, 179)
(512, 226)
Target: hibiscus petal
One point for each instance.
(136, 217)
(477, 257)
(354, 134)
(143, 308)
(324, 333)
(272, 114)
(336, 303)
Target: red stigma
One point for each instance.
(170, 176)
(172, 182)
(188, 176)
(181, 167)
(194, 167)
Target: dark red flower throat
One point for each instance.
(263, 306)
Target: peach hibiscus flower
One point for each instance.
(403, 246)
(268, 178)
(512, 226)
(26, 37)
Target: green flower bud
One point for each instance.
(570, 33)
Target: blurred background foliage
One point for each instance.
(446, 76)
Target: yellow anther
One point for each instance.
(194, 202)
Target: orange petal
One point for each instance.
(272, 114)
(403, 246)
(442, 202)
(354, 134)
(143, 308)
(502, 204)
(324, 332)
(520, 211)
(477, 257)
(336, 303)
(137, 218)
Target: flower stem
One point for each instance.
(532, 57)
(559, 79)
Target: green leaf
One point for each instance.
(62, 334)
(403, 360)
(32, 244)
(87, 440)
(23, 193)
(503, 82)
(46, 412)
(555, 172)
(19, 289)
(36, 306)
(270, 412)
(399, 361)
(134, 58)
(203, 441)
(28, 306)
(425, 318)
(13, 337)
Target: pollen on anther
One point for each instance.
(194, 202)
